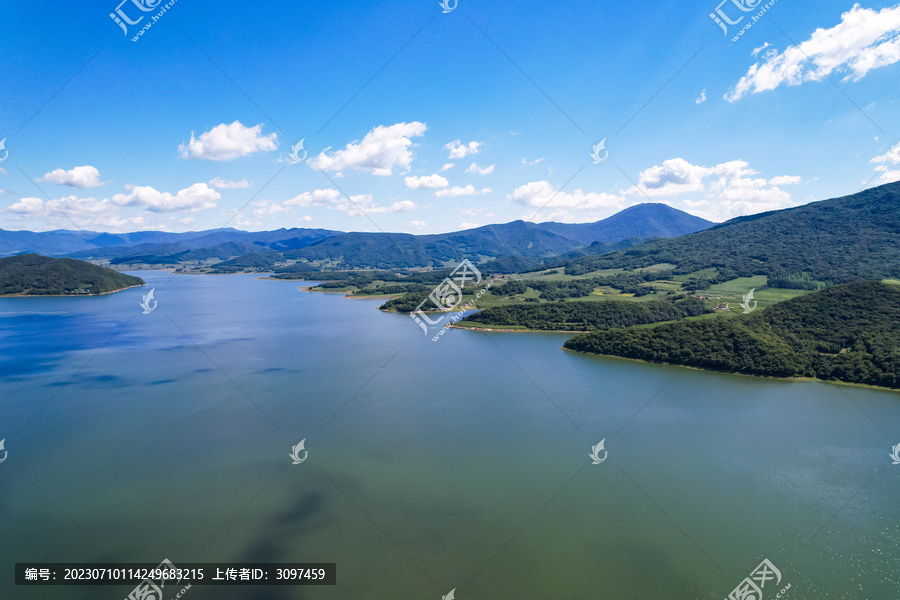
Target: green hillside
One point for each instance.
(586, 316)
(840, 240)
(35, 275)
(848, 332)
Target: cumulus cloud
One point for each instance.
(333, 200)
(701, 98)
(864, 40)
(465, 225)
(474, 168)
(455, 191)
(224, 184)
(542, 194)
(417, 224)
(888, 175)
(363, 204)
(717, 193)
(447, 166)
(83, 212)
(78, 177)
(268, 208)
(227, 142)
(426, 182)
(674, 176)
(315, 198)
(378, 153)
(891, 156)
(459, 150)
(785, 180)
(197, 197)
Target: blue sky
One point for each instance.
(396, 102)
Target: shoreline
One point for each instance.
(508, 330)
(71, 295)
(769, 377)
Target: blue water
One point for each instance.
(461, 463)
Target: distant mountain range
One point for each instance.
(360, 250)
(838, 240)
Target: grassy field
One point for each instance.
(733, 292)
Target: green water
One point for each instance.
(457, 464)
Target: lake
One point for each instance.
(458, 464)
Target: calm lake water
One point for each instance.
(458, 464)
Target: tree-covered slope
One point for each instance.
(648, 220)
(844, 239)
(587, 315)
(848, 332)
(32, 274)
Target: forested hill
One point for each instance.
(841, 240)
(848, 332)
(35, 275)
(586, 316)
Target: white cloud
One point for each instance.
(197, 197)
(888, 176)
(455, 191)
(474, 168)
(542, 194)
(83, 212)
(756, 51)
(864, 40)
(78, 177)
(224, 184)
(701, 99)
(447, 166)
(891, 156)
(267, 208)
(717, 193)
(362, 204)
(379, 152)
(316, 198)
(465, 225)
(418, 224)
(227, 142)
(786, 180)
(528, 163)
(426, 182)
(674, 176)
(459, 150)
